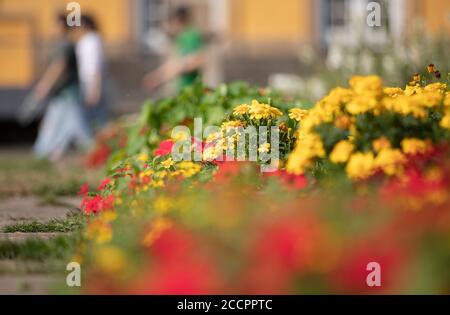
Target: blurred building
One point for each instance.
(252, 37)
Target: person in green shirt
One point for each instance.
(189, 53)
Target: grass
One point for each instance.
(22, 174)
(59, 247)
(73, 222)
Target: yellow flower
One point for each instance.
(213, 151)
(297, 113)
(341, 151)
(232, 124)
(108, 216)
(371, 86)
(306, 149)
(143, 157)
(361, 104)
(162, 204)
(259, 111)
(180, 135)
(110, 259)
(167, 163)
(99, 231)
(405, 105)
(390, 161)
(447, 99)
(414, 146)
(264, 148)
(436, 87)
(214, 137)
(241, 110)
(412, 90)
(429, 99)
(393, 91)
(146, 173)
(343, 122)
(445, 121)
(158, 183)
(188, 168)
(360, 165)
(380, 144)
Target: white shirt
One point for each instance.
(90, 58)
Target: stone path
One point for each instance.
(31, 191)
(30, 208)
(26, 284)
(22, 277)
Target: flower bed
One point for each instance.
(362, 187)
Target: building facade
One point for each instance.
(273, 29)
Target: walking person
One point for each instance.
(63, 122)
(186, 65)
(92, 73)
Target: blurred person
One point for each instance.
(92, 72)
(63, 121)
(186, 65)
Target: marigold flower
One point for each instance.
(167, 163)
(390, 161)
(297, 114)
(162, 204)
(371, 86)
(343, 122)
(360, 165)
(143, 157)
(259, 111)
(380, 144)
(241, 110)
(415, 146)
(342, 151)
(306, 149)
(431, 68)
(264, 148)
(445, 121)
(99, 231)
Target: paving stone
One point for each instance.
(17, 209)
(27, 284)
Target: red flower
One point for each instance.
(165, 147)
(288, 242)
(97, 203)
(179, 265)
(173, 245)
(104, 183)
(84, 190)
(98, 156)
(188, 276)
(290, 181)
(91, 204)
